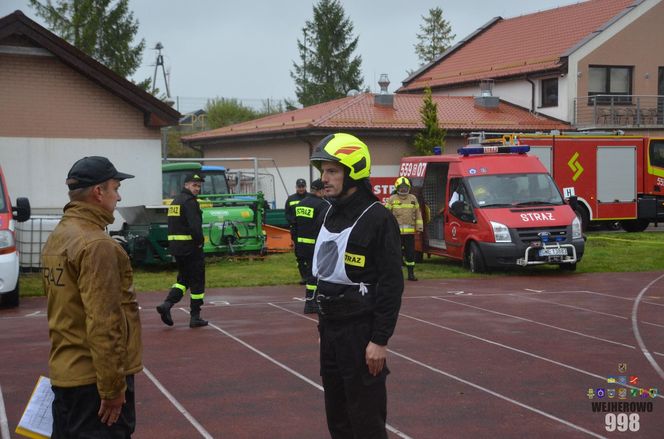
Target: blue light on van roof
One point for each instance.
(474, 150)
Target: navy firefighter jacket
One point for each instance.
(373, 257)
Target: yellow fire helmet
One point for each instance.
(347, 150)
(402, 180)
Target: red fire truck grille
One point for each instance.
(547, 234)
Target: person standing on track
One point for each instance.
(291, 203)
(92, 311)
(357, 260)
(185, 242)
(306, 227)
(406, 209)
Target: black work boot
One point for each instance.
(196, 321)
(164, 311)
(411, 273)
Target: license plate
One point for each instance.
(552, 252)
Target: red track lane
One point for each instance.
(507, 357)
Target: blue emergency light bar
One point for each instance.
(468, 150)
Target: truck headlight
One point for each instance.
(576, 228)
(7, 243)
(500, 232)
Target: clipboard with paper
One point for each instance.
(37, 419)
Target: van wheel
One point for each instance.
(638, 225)
(568, 267)
(11, 298)
(475, 260)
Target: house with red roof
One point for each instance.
(386, 122)
(592, 64)
(59, 105)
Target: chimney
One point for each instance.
(486, 99)
(384, 99)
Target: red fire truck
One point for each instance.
(615, 177)
(493, 206)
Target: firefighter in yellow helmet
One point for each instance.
(406, 210)
(357, 260)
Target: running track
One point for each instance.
(506, 357)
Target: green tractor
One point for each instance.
(232, 223)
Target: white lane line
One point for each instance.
(537, 323)
(499, 395)
(288, 369)
(637, 334)
(580, 308)
(622, 298)
(586, 309)
(178, 406)
(520, 351)
(4, 423)
(476, 386)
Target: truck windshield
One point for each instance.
(507, 190)
(173, 182)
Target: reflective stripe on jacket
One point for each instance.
(406, 210)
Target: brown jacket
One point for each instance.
(406, 210)
(93, 317)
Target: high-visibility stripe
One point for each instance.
(409, 264)
(306, 240)
(180, 237)
(407, 229)
(180, 287)
(304, 211)
(198, 296)
(311, 287)
(293, 203)
(405, 206)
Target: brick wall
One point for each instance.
(42, 97)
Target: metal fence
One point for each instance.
(31, 237)
(619, 111)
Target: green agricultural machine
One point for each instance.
(232, 223)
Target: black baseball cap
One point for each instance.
(93, 170)
(317, 185)
(301, 182)
(194, 176)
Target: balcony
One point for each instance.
(609, 112)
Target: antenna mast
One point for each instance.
(160, 62)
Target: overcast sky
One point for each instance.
(245, 49)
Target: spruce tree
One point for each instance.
(103, 29)
(435, 38)
(432, 134)
(328, 68)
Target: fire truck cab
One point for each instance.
(9, 258)
(493, 207)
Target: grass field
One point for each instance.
(605, 252)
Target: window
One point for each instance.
(614, 84)
(657, 153)
(550, 92)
